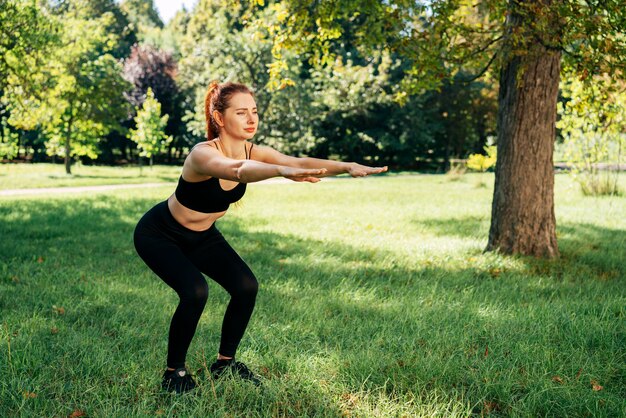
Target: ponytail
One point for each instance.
(212, 130)
(217, 97)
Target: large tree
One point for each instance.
(26, 37)
(528, 42)
(76, 94)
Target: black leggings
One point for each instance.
(179, 256)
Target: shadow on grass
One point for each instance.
(599, 251)
(469, 226)
(405, 332)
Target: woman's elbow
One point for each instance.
(241, 172)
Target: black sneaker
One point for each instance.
(178, 381)
(236, 367)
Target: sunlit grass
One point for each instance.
(23, 176)
(376, 300)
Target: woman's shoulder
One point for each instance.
(204, 144)
(200, 154)
(203, 148)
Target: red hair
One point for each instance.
(217, 98)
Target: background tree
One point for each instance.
(150, 134)
(148, 68)
(524, 40)
(593, 126)
(26, 37)
(145, 19)
(119, 24)
(78, 95)
(142, 13)
(347, 108)
(338, 110)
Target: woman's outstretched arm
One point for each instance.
(210, 162)
(271, 156)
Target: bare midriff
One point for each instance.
(191, 219)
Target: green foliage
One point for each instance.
(440, 38)
(170, 37)
(345, 109)
(593, 125)
(143, 14)
(9, 141)
(26, 34)
(78, 98)
(118, 24)
(150, 134)
(482, 163)
(342, 105)
(147, 67)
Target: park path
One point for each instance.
(101, 188)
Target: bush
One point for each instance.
(481, 162)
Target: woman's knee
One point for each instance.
(196, 294)
(248, 287)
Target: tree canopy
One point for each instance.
(407, 84)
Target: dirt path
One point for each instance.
(101, 188)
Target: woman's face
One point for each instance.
(240, 120)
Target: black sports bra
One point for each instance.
(207, 196)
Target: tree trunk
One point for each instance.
(68, 143)
(522, 215)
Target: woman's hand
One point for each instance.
(301, 174)
(358, 170)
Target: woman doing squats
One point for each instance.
(178, 238)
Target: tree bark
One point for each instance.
(522, 215)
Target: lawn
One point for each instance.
(376, 299)
(24, 176)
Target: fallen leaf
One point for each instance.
(579, 372)
(557, 379)
(28, 394)
(77, 413)
(488, 407)
(595, 386)
(350, 398)
(54, 330)
(486, 350)
(159, 412)
(58, 310)
(40, 259)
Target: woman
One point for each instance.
(178, 238)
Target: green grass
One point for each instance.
(24, 176)
(376, 299)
